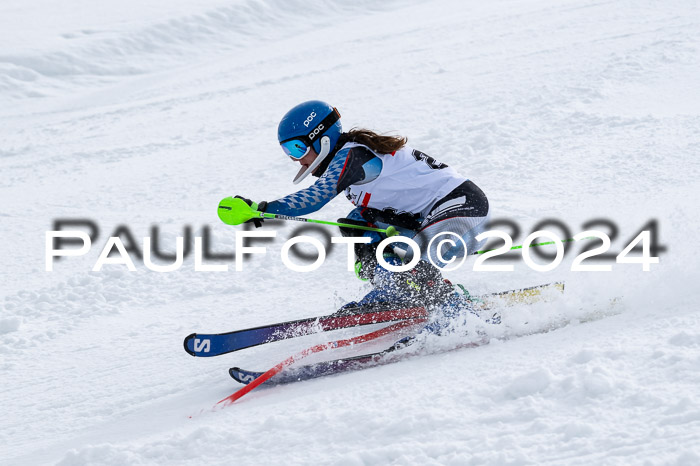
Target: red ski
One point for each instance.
(316, 349)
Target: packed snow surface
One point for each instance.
(142, 114)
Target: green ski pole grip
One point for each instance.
(234, 211)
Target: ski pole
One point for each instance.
(234, 211)
(533, 245)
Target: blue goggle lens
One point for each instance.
(295, 148)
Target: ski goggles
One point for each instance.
(298, 146)
(295, 149)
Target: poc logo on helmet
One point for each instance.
(309, 119)
(315, 132)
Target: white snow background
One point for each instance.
(148, 113)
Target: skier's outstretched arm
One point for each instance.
(348, 166)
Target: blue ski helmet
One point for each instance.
(310, 124)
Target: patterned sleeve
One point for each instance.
(315, 196)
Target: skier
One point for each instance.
(389, 183)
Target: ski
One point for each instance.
(336, 366)
(311, 371)
(387, 356)
(262, 378)
(527, 295)
(208, 345)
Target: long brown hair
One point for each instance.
(377, 142)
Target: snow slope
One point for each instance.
(148, 113)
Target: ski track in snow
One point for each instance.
(148, 114)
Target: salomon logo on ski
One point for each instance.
(201, 346)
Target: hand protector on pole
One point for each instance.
(238, 209)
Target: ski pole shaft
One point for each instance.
(533, 245)
(390, 231)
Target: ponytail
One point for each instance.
(378, 143)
